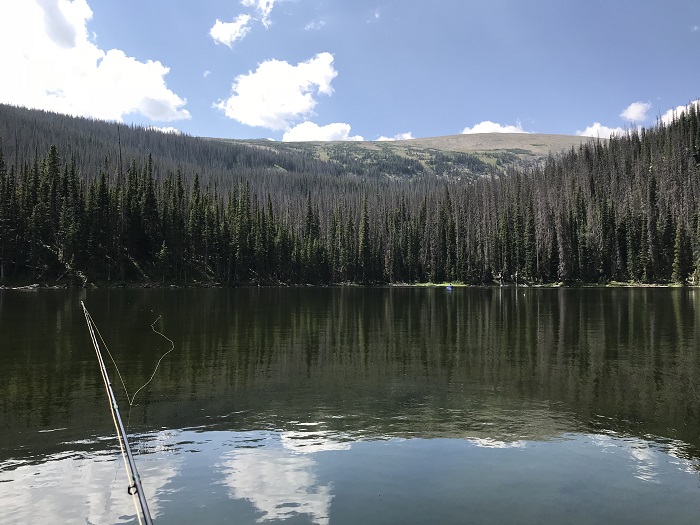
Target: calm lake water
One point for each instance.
(352, 405)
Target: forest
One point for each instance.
(80, 206)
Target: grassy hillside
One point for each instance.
(462, 156)
(532, 144)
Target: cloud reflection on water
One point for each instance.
(282, 475)
(281, 481)
(308, 442)
(648, 459)
(78, 487)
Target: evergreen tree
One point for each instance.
(364, 248)
(681, 256)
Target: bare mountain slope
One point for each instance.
(453, 155)
(532, 144)
(537, 144)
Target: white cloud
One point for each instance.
(599, 131)
(278, 93)
(60, 30)
(400, 136)
(315, 25)
(636, 112)
(228, 33)
(673, 113)
(207, 73)
(493, 127)
(50, 63)
(169, 130)
(264, 7)
(376, 15)
(310, 132)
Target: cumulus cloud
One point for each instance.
(228, 33)
(168, 130)
(400, 136)
(59, 29)
(599, 131)
(310, 132)
(50, 63)
(493, 127)
(636, 112)
(264, 7)
(673, 113)
(277, 93)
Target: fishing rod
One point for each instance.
(135, 488)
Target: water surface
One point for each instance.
(353, 405)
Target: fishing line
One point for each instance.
(172, 347)
(91, 323)
(130, 399)
(94, 325)
(135, 488)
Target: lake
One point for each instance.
(355, 405)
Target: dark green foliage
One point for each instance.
(621, 210)
(682, 258)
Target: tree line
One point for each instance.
(621, 210)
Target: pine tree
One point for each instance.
(681, 256)
(364, 248)
(5, 228)
(151, 222)
(530, 247)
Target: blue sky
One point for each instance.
(340, 69)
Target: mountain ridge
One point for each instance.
(535, 143)
(102, 145)
(526, 146)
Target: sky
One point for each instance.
(354, 69)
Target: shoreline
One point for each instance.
(202, 285)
